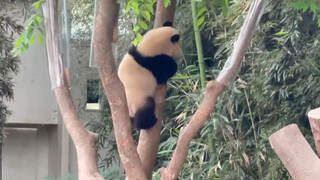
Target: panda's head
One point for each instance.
(164, 40)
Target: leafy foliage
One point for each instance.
(34, 26)
(305, 5)
(277, 86)
(142, 10)
(8, 64)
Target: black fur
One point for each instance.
(175, 38)
(168, 23)
(162, 66)
(145, 118)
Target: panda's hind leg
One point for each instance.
(144, 117)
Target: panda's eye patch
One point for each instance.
(175, 38)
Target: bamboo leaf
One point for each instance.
(200, 21)
(201, 11)
(281, 33)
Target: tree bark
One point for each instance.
(213, 90)
(164, 14)
(314, 118)
(0, 161)
(149, 140)
(114, 90)
(295, 153)
(83, 139)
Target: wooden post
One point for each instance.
(295, 153)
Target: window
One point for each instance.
(93, 95)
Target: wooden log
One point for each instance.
(314, 118)
(295, 153)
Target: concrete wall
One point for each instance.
(38, 144)
(34, 101)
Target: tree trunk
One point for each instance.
(83, 139)
(149, 140)
(114, 89)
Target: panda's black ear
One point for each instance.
(168, 23)
(175, 38)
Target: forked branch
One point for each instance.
(83, 139)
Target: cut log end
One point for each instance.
(314, 114)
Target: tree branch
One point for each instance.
(213, 90)
(83, 139)
(114, 90)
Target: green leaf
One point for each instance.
(143, 25)
(139, 36)
(146, 15)
(167, 3)
(138, 39)
(135, 42)
(128, 6)
(313, 7)
(200, 21)
(19, 41)
(148, 7)
(281, 33)
(38, 19)
(32, 40)
(201, 11)
(136, 28)
(38, 3)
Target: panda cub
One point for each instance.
(144, 67)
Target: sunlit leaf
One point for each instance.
(146, 15)
(281, 33)
(167, 3)
(201, 11)
(200, 21)
(32, 40)
(143, 25)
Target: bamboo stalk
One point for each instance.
(198, 44)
